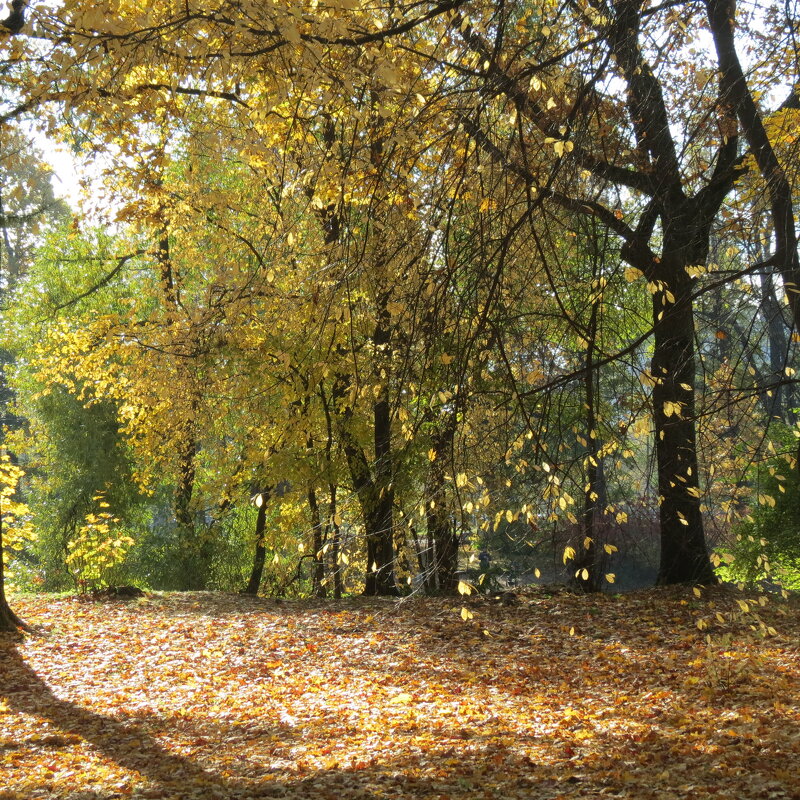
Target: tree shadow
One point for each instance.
(129, 745)
(451, 760)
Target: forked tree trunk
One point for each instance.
(374, 491)
(376, 511)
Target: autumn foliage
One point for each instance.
(546, 695)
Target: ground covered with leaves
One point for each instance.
(544, 696)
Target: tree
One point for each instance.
(349, 169)
(13, 515)
(626, 142)
(26, 202)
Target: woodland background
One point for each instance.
(400, 297)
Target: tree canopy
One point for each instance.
(484, 287)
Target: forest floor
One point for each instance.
(206, 695)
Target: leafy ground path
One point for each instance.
(220, 696)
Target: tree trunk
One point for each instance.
(684, 555)
(376, 511)
(441, 531)
(260, 556)
(9, 621)
(781, 401)
(380, 530)
(318, 575)
(375, 492)
(686, 222)
(722, 22)
(445, 539)
(380, 547)
(425, 562)
(587, 567)
(336, 544)
(197, 558)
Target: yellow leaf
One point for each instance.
(404, 698)
(569, 554)
(464, 588)
(632, 274)
(611, 577)
(466, 614)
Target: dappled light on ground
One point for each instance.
(220, 696)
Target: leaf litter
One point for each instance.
(657, 694)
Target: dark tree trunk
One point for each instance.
(184, 490)
(336, 544)
(686, 223)
(380, 548)
(425, 561)
(332, 528)
(376, 512)
(197, 556)
(781, 401)
(721, 18)
(374, 489)
(684, 555)
(785, 260)
(260, 556)
(587, 572)
(380, 539)
(318, 575)
(441, 530)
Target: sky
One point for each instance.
(66, 175)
